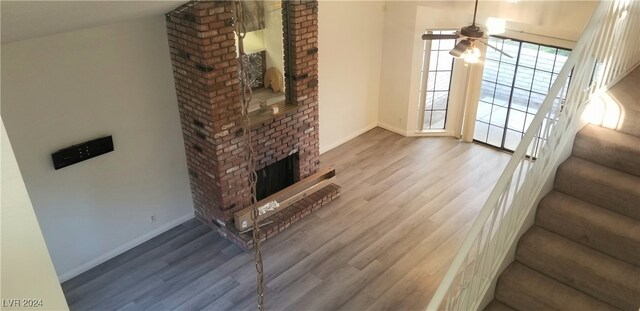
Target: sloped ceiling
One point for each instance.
(22, 20)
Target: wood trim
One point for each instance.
(286, 196)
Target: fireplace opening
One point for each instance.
(277, 176)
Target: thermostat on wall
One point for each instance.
(80, 152)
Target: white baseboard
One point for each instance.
(123, 248)
(348, 138)
(393, 129)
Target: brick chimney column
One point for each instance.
(203, 54)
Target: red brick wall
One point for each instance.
(300, 19)
(204, 62)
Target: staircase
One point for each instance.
(583, 252)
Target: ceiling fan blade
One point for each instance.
(460, 48)
(495, 48)
(430, 36)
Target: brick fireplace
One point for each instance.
(203, 54)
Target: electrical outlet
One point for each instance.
(153, 218)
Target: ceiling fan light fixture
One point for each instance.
(472, 55)
(471, 34)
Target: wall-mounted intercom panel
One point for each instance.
(80, 152)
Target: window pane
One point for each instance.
(541, 82)
(491, 53)
(535, 102)
(495, 135)
(520, 98)
(498, 116)
(427, 120)
(435, 45)
(433, 59)
(486, 91)
(480, 132)
(561, 58)
(437, 119)
(444, 60)
(528, 55)
(512, 139)
(516, 120)
(440, 100)
(429, 101)
(484, 112)
(546, 58)
(505, 74)
(442, 80)
(512, 48)
(490, 70)
(431, 81)
(524, 78)
(501, 96)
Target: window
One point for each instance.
(513, 89)
(435, 73)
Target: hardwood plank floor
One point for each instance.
(406, 205)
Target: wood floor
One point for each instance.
(406, 205)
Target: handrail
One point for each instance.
(607, 50)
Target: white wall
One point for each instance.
(27, 271)
(350, 45)
(405, 21)
(65, 89)
(399, 24)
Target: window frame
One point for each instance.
(513, 88)
(424, 82)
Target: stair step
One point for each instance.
(526, 289)
(626, 93)
(590, 271)
(600, 185)
(627, 124)
(495, 305)
(599, 228)
(609, 148)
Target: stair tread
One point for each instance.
(608, 147)
(583, 251)
(526, 289)
(601, 276)
(600, 185)
(626, 94)
(626, 91)
(609, 232)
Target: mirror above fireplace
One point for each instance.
(263, 44)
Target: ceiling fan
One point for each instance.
(466, 47)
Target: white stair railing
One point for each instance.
(607, 50)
